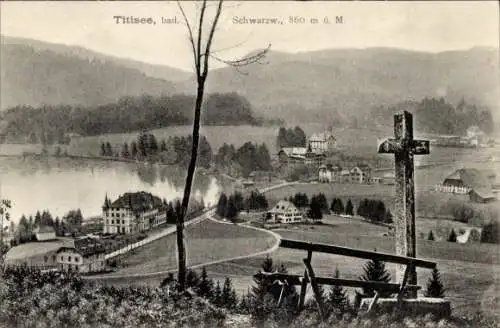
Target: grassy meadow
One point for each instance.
(205, 242)
(428, 203)
(469, 271)
(361, 139)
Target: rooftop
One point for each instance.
(44, 229)
(85, 246)
(137, 201)
(323, 136)
(289, 151)
(474, 178)
(33, 249)
(283, 205)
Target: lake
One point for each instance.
(61, 184)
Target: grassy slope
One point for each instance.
(237, 135)
(207, 241)
(468, 270)
(428, 203)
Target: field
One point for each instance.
(205, 242)
(427, 203)
(469, 271)
(237, 135)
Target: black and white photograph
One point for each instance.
(249, 164)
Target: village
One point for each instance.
(134, 216)
(329, 170)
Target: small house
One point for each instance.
(285, 212)
(344, 176)
(44, 233)
(482, 195)
(360, 174)
(85, 255)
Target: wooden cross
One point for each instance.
(404, 147)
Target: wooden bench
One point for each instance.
(310, 277)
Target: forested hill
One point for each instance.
(33, 77)
(335, 86)
(49, 124)
(436, 115)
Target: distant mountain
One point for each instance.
(333, 86)
(339, 84)
(33, 76)
(157, 71)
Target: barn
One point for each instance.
(482, 195)
(474, 180)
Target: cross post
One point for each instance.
(404, 147)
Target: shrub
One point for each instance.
(349, 208)
(491, 233)
(452, 238)
(337, 301)
(29, 298)
(374, 270)
(435, 287)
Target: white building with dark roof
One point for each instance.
(284, 212)
(44, 233)
(35, 254)
(133, 212)
(477, 183)
(82, 255)
(322, 142)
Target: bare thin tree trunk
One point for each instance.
(201, 66)
(187, 188)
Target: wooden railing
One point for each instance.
(310, 277)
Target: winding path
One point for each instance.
(207, 215)
(273, 248)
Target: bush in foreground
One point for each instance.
(32, 299)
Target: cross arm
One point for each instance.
(392, 146)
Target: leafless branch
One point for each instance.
(210, 39)
(200, 35)
(228, 48)
(191, 39)
(256, 58)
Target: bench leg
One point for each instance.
(373, 302)
(281, 294)
(315, 288)
(402, 289)
(303, 289)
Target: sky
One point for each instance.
(422, 26)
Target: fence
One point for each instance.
(310, 277)
(158, 235)
(452, 189)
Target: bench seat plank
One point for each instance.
(292, 279)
